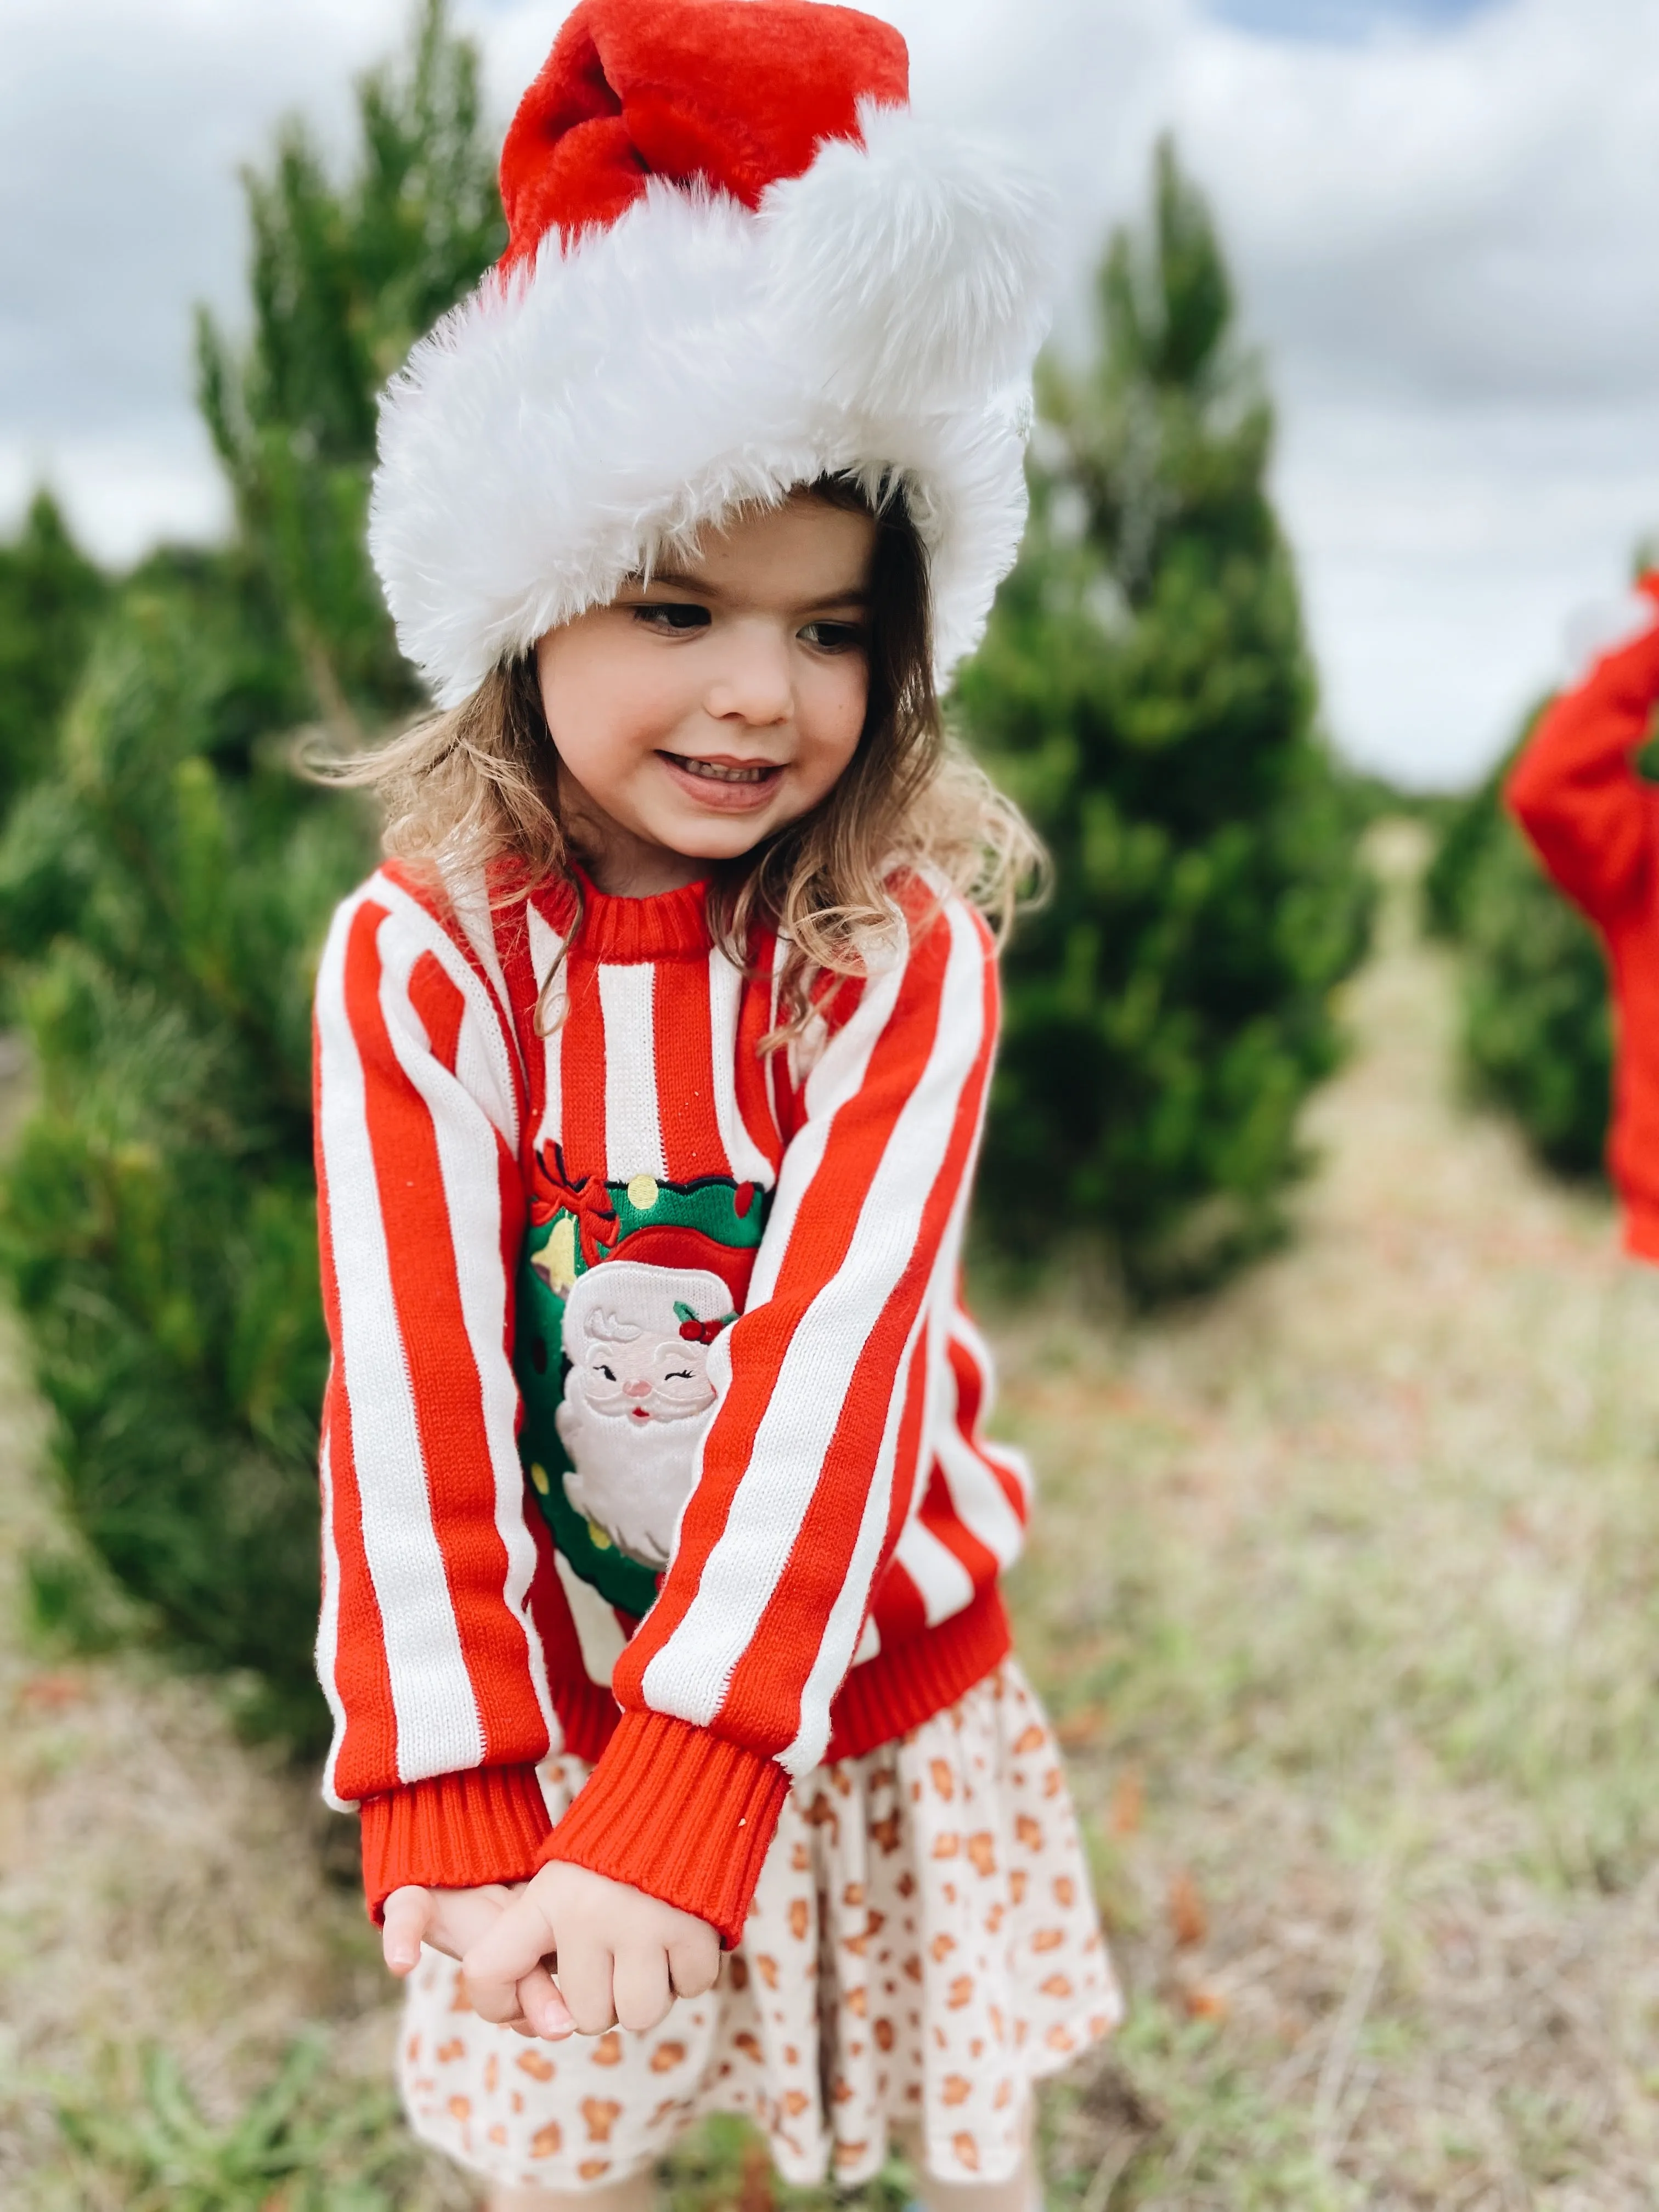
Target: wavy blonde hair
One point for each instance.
(475, 786)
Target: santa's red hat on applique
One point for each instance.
(737, 263)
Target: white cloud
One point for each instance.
(1442, 241)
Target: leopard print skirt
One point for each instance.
(922, 1947)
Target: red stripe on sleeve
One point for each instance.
(441, 1006)
(970, 1396)
(939, 1518)
(899, 1610)
(442, 1368)
(682, 1046)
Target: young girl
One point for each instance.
(661, 1536)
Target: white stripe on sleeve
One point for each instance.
(468, 1162)
(945, 1584)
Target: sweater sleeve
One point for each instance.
(1575, 790)
(810, 1463)
(427, 1651)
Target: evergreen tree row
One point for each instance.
(165, 877)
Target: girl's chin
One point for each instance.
(699, 833)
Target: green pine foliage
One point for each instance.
(50, 597)
(164, 889)
(343, 280)
(1146, 692)
(1536, 1026)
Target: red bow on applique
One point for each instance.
(552, 1192)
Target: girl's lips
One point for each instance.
(724, 786)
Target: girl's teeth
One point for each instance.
(719, 775)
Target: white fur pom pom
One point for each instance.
(914, 271)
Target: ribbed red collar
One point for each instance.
(630, 930)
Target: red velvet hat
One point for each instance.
(631, 92)
(736, 264)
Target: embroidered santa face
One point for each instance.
(637, 1397)
(630, 1368)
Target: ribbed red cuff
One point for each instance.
(678, 1813)
(454, 1831)
(906, 1683)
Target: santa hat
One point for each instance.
(737, 263)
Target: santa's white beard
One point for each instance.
(631, 1478)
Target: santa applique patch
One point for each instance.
(624, 1289)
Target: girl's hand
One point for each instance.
(621, 1957)
(451, 1920)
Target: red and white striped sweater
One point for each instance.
(833, 1582)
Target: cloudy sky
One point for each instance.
(1443, 216)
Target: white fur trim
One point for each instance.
(558, 430)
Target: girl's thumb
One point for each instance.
(404, 1926)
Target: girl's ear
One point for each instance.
(916, 269)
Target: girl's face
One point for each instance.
(697, 713)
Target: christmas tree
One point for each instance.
(1146, 692)
(164, 888)
(1535, 1026)
(50, 597)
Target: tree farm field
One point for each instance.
(1342, 1593)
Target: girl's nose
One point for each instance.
(638, 1389)
(754, 685)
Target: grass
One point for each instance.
(1343, 1595)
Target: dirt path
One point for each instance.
(1344, 1592)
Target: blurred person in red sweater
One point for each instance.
(1594, 819)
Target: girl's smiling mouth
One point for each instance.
(732, 785)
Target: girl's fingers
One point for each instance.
(404, 1922)
(639, 1986)
(693, 1964)
(542, 2009)
(495, 1964)
(584, 1969)
(460, 1917)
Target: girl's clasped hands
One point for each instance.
(622, 1958)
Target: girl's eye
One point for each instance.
(674, 618)
(835, 636)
